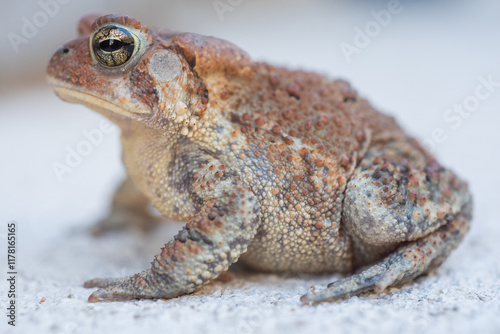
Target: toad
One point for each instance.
(284, 171)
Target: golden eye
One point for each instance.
(114, 46)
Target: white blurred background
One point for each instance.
(423, 60)
(426, 58)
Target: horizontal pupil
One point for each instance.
(111, 45)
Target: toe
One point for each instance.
(102, 295)
(102, 282)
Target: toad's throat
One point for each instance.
(94, 102)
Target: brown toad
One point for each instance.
(284, 171)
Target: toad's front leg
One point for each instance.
(130, 210)
(211, 241)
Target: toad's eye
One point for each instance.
(114, 46)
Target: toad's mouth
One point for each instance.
(93, 102)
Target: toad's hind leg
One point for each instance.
(404, 213)
(401, 266)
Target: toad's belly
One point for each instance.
(299, 250)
